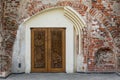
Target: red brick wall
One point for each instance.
(103, 26)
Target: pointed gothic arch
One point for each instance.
(72, 16)
(69, 13)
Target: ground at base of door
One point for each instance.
(62, 76)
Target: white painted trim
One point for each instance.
(69, 56)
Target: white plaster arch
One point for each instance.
(71, 14)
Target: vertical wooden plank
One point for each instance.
(32, 50)
(64, 49)
(49, 49)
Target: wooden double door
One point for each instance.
(48, 49)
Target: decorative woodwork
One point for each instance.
(48, 50)
(39, 51)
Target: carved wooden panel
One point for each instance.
(57, 50)
(48, 50)
(39, 51)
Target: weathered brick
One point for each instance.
(15, 12)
